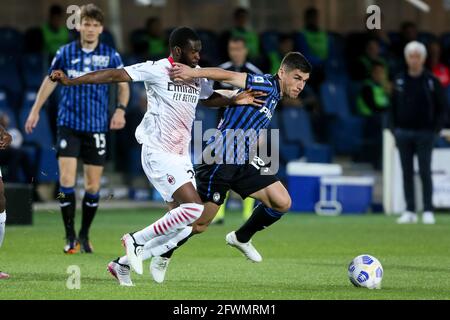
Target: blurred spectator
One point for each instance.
(15, 157)
(371, 56)
(285, 45)
(440, 70)
(417, 115)
(242, 29)
(372, 102)
(381, 36)
(237, 52)
(316, 39)
(374, 94)
(55, 32)
(157, 44)
(408, 33)
(314, 44)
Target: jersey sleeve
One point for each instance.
(206, 89)
(146, 71)
(58, 61)
(258, 83)
(116, 61)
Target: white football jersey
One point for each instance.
(167, 124)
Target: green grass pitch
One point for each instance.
(304, 257)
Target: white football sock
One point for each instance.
(162, 244)
(2, 226)
(173, 220)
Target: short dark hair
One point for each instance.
(181, 36)
(311, 12)
(240, 11)
(237, 39)
(91, 11)
(56, 10)
(295, 60)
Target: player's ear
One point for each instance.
(281, 72)
(101, 29)
(177, 51)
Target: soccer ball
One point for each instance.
(365, 271)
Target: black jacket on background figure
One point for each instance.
(417, 114)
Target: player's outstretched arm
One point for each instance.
(46, 89)
(96, 77)
(229, 98)
(183, 72)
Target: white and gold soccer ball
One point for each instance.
(365, 271)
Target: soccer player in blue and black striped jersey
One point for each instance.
(82, 121)
(238, 169)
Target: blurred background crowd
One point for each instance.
(340, 114)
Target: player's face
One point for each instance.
(293, 82)
(237, 52)
(90, 30)
(190, 54)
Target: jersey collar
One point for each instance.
(172, 62)
(277, 84)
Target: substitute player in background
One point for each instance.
(5, 141)
(82, 122)
(241, 170)
(165, 134)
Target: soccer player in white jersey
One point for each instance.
(5, 141)
(165, 134)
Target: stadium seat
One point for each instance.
(269, 41)
(28, 99)
(334, 99)
(6, 108)
(11, 42)
(344, 130)
(3, 99)
(42, 134)
(297, 124)
(10, 79)
(32, 66)
(335, 65)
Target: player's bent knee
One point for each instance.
(283, 204)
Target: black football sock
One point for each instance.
(169, 253)
(261, 218)
(67, 203)
(90, 206)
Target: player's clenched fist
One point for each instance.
(60, 76)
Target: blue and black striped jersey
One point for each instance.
(243, 123)
(84, 107)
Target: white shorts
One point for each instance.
(167, 171)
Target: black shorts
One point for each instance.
(215, 180)
(90, 147)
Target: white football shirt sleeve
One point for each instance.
(147, 71)
(206, 89)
